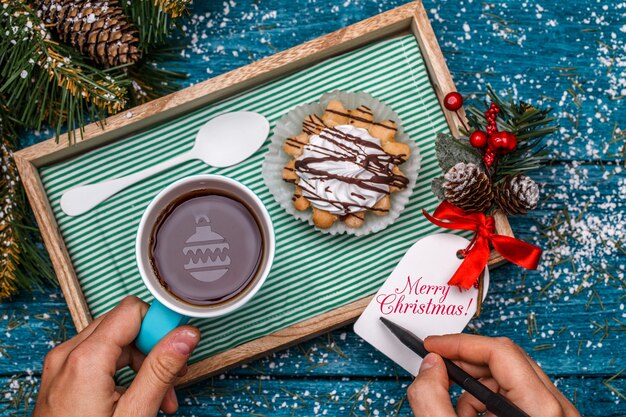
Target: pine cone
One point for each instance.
(99, 29)
(517, 194)
(467, 187)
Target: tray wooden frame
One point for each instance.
(410, 18)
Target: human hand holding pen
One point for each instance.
(499, 364)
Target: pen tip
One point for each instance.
(385, 321)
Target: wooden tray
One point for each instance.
(408, 19)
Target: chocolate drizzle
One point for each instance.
(376, 167)
(294, 143)
(361, 119)
(312, 125)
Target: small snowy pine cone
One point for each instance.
(467, 187)
(517, 194)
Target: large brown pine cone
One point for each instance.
(98, 29)
(517, 194)
(467, 187)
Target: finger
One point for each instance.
(158, 374)
(132, 357)
(499, 354)
(482, 371)
(86, 332)
(468, 406)
(169, 405)
(568, 408)
(118, 329)
(477, 371)
(508, 365)
(119, 391)
(428, 394)
(55, 359)
(183, 371)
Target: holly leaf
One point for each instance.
(437, 188)
(451, 151)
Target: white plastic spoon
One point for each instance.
(223, 141)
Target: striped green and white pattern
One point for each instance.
(313, 272)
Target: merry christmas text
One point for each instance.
(413, 297)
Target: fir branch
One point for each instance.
(149, 80)
(155, 19)
(175, 8)
(23, 265)
(528, 123)
(46, 82)
(525, 121)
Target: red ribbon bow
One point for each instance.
(449, 216)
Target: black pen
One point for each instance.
(494, 402)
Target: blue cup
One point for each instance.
(167, 311)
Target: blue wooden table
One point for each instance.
(569, 315)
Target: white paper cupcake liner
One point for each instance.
(291, 125)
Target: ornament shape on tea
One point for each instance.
(207, 252)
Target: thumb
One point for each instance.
(158, 373)
(428, 394)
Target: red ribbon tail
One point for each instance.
(517, 251)
(433, 220)
(454, 218)
(449, 216)
(473, 264)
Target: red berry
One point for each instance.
(493, 106)
(497, 140)
(489, 158)
(478, 139)
(502, 142)
(512, 143)
(453, 101)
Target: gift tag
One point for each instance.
(417, 297)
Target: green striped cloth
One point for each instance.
(313, 272)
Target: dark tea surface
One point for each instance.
(206, 248)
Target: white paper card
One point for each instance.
(417, 297)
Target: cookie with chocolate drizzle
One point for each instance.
(344, 165)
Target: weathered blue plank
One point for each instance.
(351, 397)
(536, 49)
(301, 397)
